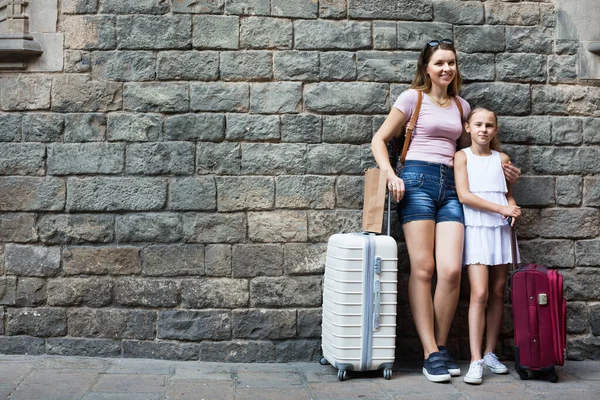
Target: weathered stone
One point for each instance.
(218, 158)
(137, 7)
(302, 350)
(42, 127)
(276, 97)
(566, 47)
(85, 128)
(402, 10)
(248, 7)
(591, 191)
(583, 347)
(188, 65)
(323, 224)
(534, 191)
(162, 97)
(245, 193)
(349, 192)
(173, 158)
(342, 97)
(252, 260)
(154, 32)
(266, 33)
(214, 228)
(246, 66)
(218, 259)
(309, 322)
(194, 325)
(78, 6)
(90, 292)
(553, 253)
(477, 66)
(14, 98)
(591, 130)
(10, 127)
(294, 9)
(149, 227)
(568, 190)
(8, 288)
(567, 130)
(136, 292)
(526, 130)
(250, 127)
(214, 293)
(298, 291)
(83, 347)
(23, 292)
(31, 194)
(334, 159)
(38, 322)
(562, 69)
(89, 32)
(296, 65)
(304, 258)
(303, 128)
(216, 32)
(565, 160)
(570, 223)
(22, 159)
(76, 228)
(264, 324)
(503, 98)
(124, 65)
(273, 159)
(577, 317)
(581, 284)
(17, 228)
(77, 61)
(308, 191)
(565, 100)
(529, 40)
(85, 158)
(497, 13)
(173, 260)
(133, 127)
(277, 226)
(112, 194)
(326, 34)
(338, 65)
(198, 7)
(379, 66)
(120, 260)
(198, 194)
(24, 260)
(594, 318)
(414, 35)
(22, 345)
(238, 351)
(459, 13)
(521, 67)
(220, 96)
(332, 8)
(161, 350)
(480, 39)
(76, 93)
(205, 127)
(356, 129)
(112, 323)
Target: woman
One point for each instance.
(431, 215)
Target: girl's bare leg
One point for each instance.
(478, 280)
(497, 282)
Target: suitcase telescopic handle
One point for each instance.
(513, 243)
(389, 206)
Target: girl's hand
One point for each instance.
(396, 187)
(511, 211)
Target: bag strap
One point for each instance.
(460, 109)
(411, 125)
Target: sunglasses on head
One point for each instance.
(434, 43)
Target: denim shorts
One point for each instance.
(430, 193)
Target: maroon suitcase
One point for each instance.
(539, 318)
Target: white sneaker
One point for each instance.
(475, 374)
(491, 361)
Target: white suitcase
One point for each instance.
(359, 303)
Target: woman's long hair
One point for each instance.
(422, 81)
(495, 142)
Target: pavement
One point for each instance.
(63, 378)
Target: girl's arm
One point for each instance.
(466, 197)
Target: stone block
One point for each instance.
(252, 260)
(112, 323)
(334, 159)
(8, 288)
(85, 158)
(307, 191)
(115, 194)
(414, 35)
(572, 160)
(327, 34)
(582, 347)
(121, 260)
(568, 190)
(246, 65)
(565, 100)
(562, 69)
(525, 130)
(309, 322)
(198, 7)
(141, 32)
(22, 159)
(123, 66)
(38, 322)
(266, 33)
(172, 158)
(24, 260)
(349, 192)
(337, 66)
(173, 260)
(480, 39)
(137, 292)
(548, 15)
(220, 96)
(304, 258)
(31, 194)
(77, 93)
(22, 291)
(529, 39)
(77, 61)
(25, 92)
(237, 351)
(385, 35)
(76, 228)
(383, 9)
(497, 13)
(591, 130)
(214, 227)
(273, 158)
(521, 67)
(459, 12)
(89, 292)
(248, 7)
(192, 127)
(380, 66)
(346, 97)
(302, 128)
(323, 224)
(161, 97)
(17, 228)
(553, 253)
(567, 130)
(215, 32)
(161, 350)
(10, 127)
(218, 260)
(194, 325)
(276, 97)
(298, 350)
(591, 191)
(85, 127)
(355, 129)
(245, 193)
(79, 6)
(188, 65)
(297, 291)
(260, 324)
(277, 226)
(22, 345)
(83, 347)
(197, 194)
(149, 227)
(586, 252)
(332, 9)
(536, 191)
(577, 317)
(218, 158)
(581, 284)
(251, 127)
(128, 127)
(477, 66)
(594, 318)
(42, 127)
(503, 98)
(137, 7)
(89, 32)
(566, 47)
(296, 66)
(214, 293)
(294, 9)
(570, 223)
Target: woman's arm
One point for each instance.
(511, 173)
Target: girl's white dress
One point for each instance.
(487, 234)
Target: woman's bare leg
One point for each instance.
(478, 280)
(495, 310)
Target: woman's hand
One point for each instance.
(511, 173)
(513, 211)
(396, 187)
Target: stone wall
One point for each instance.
(170, 192)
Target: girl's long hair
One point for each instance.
(422, 81)
(495, 142)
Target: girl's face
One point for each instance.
(482, 127)
(442, 67)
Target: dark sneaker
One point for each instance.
(434, 368)
(451, 365)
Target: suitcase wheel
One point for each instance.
(553, 378)
(523, 374)
(342, 375)
(387, 373)
(323, 361)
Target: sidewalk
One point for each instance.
(48, 378)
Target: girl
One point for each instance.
(487, 201)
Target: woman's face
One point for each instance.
(442, 67)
